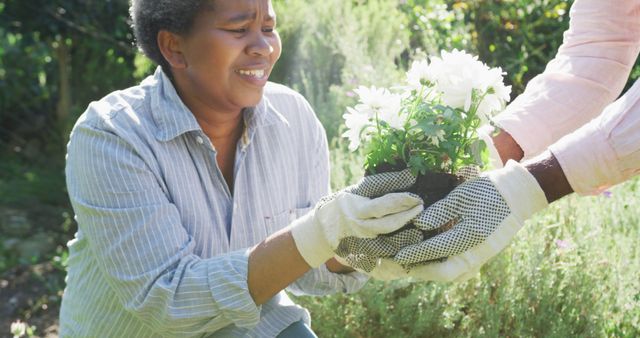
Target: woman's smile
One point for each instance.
(256, 76)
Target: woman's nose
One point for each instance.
(260, 45)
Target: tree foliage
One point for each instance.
(56, 57)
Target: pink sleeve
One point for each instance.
(605, 151)
(588, 73)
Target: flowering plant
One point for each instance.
(430, 123)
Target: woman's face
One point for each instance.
(230, 53)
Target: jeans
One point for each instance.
(297, 330)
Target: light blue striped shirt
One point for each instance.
(161, 248)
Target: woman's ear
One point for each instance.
(170, 45)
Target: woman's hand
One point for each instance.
(506, 146)
(334, 266)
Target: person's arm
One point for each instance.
(141, 248)
(589, 72)
(266, 279)
(606, 151)
(506, 146)
(547, 171)
(602, 153)
(147, 257)
(332, 277)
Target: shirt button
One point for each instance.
(200, 140)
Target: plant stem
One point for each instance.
(470, 126)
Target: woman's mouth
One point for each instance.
(256, 73)
(255, 77)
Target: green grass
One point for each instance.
(571, 272)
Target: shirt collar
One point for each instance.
(174, 118)
(171, 115)
(263, 115)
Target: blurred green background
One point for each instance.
(572, 272)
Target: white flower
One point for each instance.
(437, 137)
(18, 329)
(490, 105)
(392, 114)
(446, 163)
(420, 74)
(356, 122)
(382, 104)
(494, 82)
(497, 94)
(457, 74)
(372, 99)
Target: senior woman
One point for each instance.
(194, 191)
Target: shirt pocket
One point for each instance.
(283, 218)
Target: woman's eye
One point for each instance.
(239, 30)
(268, 29)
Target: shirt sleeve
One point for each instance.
(141, 247)
(321, 281)
(588, 73)
(606, 151)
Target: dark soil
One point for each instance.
(431, 187)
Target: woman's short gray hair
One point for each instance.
(151, 16)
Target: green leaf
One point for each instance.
(428, 128)
(417, 164)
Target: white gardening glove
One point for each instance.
(454, 269)
(318, 234)
(379, 184)
(365, 254)
(487, 211)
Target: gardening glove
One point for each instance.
(364, 254)
(469, 172)
(318, 233)
(486, 214)
(379, 184)
(455, 269)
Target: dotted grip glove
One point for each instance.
(353, 220)
(365, 254)
(487, 213)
